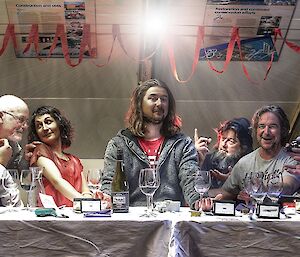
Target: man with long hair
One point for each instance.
(153, 139)
(271, 130)
(234, 140)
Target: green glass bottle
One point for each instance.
(119, 186)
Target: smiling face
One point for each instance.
(268, 133)
(47, 130)
(14, 122)
(155, 105)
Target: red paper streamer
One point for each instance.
(9, 33)
(118, 32)
(238, 41)
(60, 33)
(229, 52)
(33, 37)
(114, 34)
(291, 45)
(200, 36)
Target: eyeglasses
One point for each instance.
(21, 120)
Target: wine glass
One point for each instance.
(254, 187)
(274, 186)
(15, 175)
(26, 183)
(94, 177)
(258, 189)
(149, 182)
(202, 183)
(9, 179)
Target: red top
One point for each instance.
(70, 170)
(152, 149)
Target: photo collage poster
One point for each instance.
(47, 14)
(256, 20)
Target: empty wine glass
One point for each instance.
(9, 180)
(31, 182)
(258, 188)
(254, 187)
(149, 182)
(202, 183)
(274, 186)
(26, 183)
(15, 175)
(94, 177)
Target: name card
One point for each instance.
(86, 205)
(271, 211)
(224, 208)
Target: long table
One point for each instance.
(167, 235)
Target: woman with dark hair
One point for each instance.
(63, 177)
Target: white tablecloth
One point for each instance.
(168, 234)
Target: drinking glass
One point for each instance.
(202, 183)
(274, 186)
(31, 182)
(149, 182)
(258, 188)
(254, 187)
(94, 177)
(15, 175)
(26, 183)
(11, 188)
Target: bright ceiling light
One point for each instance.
(155, 24)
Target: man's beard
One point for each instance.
(221, 161)
(153, 120)
(16, 136)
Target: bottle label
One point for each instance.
(120, 201)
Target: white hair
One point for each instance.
(11, 103)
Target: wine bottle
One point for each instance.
(119, 186)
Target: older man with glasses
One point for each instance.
(14, 114)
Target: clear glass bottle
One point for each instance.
(119, 186)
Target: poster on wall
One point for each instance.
(47, 14)
(256, 20)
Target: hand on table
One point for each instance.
(206, 204)
(105, 198)
(244, 196)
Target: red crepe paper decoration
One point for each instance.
(235, 38)
(200, 36)
(229, 52)
(117, 30)
(33, 38)
(9, 33)
(114, 34)
(60, 33)
(291, 45)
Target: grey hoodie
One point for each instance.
(177, 162)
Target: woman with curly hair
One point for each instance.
(63, 177)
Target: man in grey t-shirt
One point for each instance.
(270, 127)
